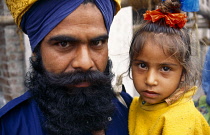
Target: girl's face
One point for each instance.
(156, 75)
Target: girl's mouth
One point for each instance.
(149, 94)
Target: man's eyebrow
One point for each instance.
(73, 39)
(102, 37)
(63, 38)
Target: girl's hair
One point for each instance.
(174, 41)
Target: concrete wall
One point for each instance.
(119, 43)
(11, 60)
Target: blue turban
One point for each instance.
(44, 15)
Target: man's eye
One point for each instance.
(63, 44)
(97, 43)
(166, 69)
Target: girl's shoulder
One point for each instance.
(184, 112)
(186, 118)
(183, 109)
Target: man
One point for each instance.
(70, 90)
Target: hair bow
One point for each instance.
(176, 20)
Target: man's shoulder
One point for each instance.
(119, 121)
(127, 98)
(20, 116)
(123, 97)
(15, 104)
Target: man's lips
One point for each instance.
(82, 84)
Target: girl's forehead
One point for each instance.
(155, 55)
(168, 43)
(156, 38)
(151, 48)
(161, 39)
(153, 44)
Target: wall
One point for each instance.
(11, 60)
(119, 42)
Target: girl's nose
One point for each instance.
(82, 59)
(151, 78)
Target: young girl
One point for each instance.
(164, 75)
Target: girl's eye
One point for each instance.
(142, 66)
(166, 69)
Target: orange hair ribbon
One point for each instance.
(176, 20)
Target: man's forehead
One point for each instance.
(41, 16)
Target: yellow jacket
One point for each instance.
(180, 118)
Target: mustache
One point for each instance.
(76, 77)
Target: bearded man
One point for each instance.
(70, 90)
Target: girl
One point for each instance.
(164, 75)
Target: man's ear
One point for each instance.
(33, 56)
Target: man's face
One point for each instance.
(79, 42)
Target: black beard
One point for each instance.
(72, 111)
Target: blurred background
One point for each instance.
(15, 49)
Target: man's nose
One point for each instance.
(83, 60)
(151, 78)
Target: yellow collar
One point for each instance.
(175, 98)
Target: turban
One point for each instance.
(38, 17)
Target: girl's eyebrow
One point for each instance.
(162, 64)
(135, 60)
(168, 64)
